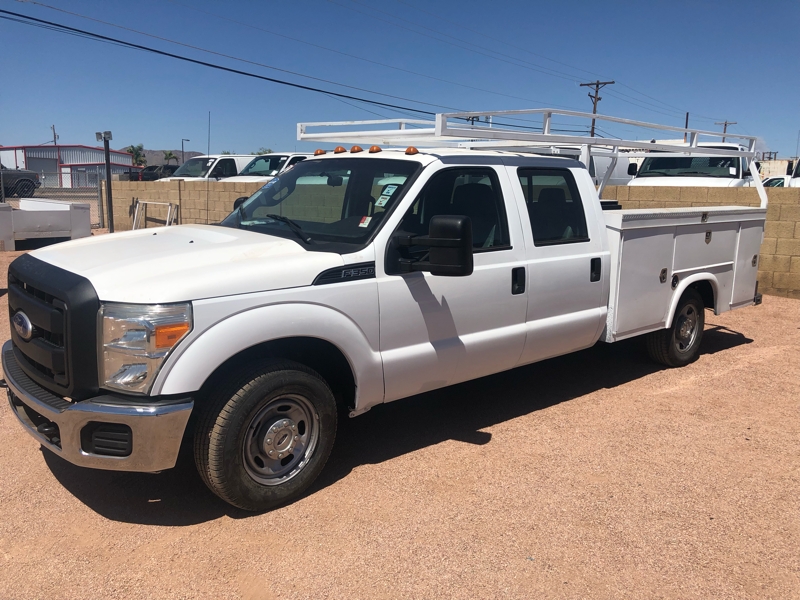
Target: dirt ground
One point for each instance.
(594, 475)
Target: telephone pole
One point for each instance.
(725, 127)
(55, 136)
(597, 85)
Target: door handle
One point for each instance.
(594, 274)
(517, 280)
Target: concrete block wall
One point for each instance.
(779, 261)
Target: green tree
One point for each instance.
(263, 150)
(169, 155)
(138, 155)
(228, 152)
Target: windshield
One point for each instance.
(195, 167)
(265, 166)
(690, 166)
(333, 201)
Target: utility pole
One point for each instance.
(686, 126)
(597, 85)
(55, 137)
(725, 127)
(105, 137)
(183, 160)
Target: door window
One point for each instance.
(226, 167)
(554, 206)
(474, 192)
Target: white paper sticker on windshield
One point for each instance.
(382, 201)
(389, 190)
(732, 170)
(365, 221)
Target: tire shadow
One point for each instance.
(178, 497)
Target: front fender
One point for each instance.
(685, 283)
(215, 345)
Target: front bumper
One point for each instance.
(154, 437)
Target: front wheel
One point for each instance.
(263, 438)
(680, 344)
(25, 189)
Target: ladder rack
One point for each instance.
(487, 130)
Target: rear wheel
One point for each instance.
(263, 438)
(679, 344)
(25, 189)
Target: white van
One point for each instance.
(211, 166)
(265, 167)
(696, 170)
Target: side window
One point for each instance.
(554, 206)
(227, 167)
(295, 160)
(474, 192)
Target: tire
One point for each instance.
(25, 189)
(679, 345)
(243, 447)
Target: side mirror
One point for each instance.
(238, 202)
(450, 241)
(633, 168)
(790, 168)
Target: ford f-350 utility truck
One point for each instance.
(355, 278)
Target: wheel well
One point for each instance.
(319, 355)
(706, 291)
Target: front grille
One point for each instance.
(60, 354)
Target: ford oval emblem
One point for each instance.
(23, 325)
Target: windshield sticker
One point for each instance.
(365, 221)
(389, 190)
(732, 170)
(382, 200)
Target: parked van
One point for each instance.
(265, 167)
(696, 170)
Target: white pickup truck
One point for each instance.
(353, 279)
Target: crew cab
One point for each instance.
(211, 166)
(266, 166)
(353, 279)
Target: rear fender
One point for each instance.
(683, 285)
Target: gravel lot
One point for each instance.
(595, 475)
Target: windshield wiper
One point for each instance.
(701, 173)
(292, 225)
(646, 173)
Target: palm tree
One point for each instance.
(169, 155)
(138, 155)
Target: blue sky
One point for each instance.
(716, 59)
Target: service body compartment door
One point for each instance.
(747, 257)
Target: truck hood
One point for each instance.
(187, 262)
(686, 182)
(250, 178)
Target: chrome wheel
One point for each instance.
(686, 329)
(280, 439)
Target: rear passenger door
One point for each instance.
(568, 260)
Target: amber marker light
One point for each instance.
(319, 152)
(339, 150)
(355, 149)
(411, 150)
(374, 149)
(169, 335)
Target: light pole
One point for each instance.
(105, 137)
(183, 140)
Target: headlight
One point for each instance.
(136, 338)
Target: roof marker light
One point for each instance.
(319, 152)
(411, 150)
(374, 149)
(355, 149)
(339, 150)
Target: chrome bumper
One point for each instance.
(156, 428)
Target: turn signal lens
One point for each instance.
(319, 152)
(339, 150)
(169, 335)
(374, 149)
(355, 149)
(412, 150)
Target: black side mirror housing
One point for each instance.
(790, 168)
(238, 202)
(633, 169)
(450, 241)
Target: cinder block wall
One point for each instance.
(198, 201)
(779, 261)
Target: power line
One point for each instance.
(20, 18)
(725, 124)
